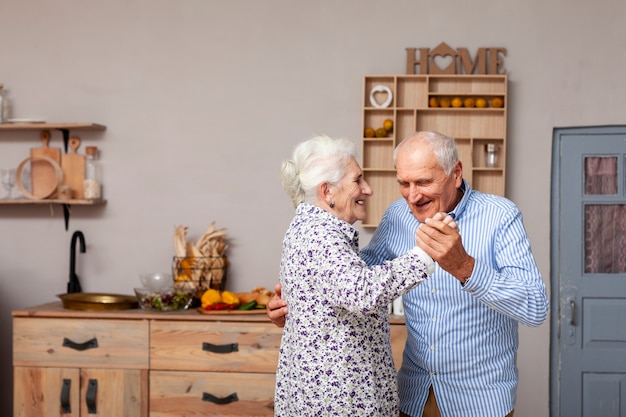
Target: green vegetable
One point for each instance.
(247, 306)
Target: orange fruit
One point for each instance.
(433, 102)
(369, 132)
(481, 102)
(469, 102)
(210, 296)
(457, 102)
(444, 102)
(388, 125)
(381, 132)
(497, 102)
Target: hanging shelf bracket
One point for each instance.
(66, 137)
(66, 215)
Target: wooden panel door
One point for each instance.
(588, 258)
(40, 392)
(72, 392)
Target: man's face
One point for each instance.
(423, 183)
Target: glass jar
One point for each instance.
(491, 155)
(92, 186)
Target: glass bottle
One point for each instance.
(491, 155)
(92, 186)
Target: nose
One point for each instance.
(415, 193)
(366, 189)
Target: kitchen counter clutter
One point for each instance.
(127, 363)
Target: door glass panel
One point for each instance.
(605, 238)
(600, 175)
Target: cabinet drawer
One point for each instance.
(247, 347)
(80, 343)
(199, 394)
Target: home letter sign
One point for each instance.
(446, 60)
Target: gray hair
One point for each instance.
(443, 147)
(315, 161)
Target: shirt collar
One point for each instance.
(346, 228)
(460, 207)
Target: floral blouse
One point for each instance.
(335, 355)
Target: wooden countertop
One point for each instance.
(55, 309)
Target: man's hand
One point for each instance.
(439, 237)
(277, 308)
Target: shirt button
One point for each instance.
(433, 290)
(432, 347)
(434, 318)
(432, 374)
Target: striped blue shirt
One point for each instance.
(463, 340)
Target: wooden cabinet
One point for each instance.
(230, 367)
(99, 367)
(136, 363)
(412, 108)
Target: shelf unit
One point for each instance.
(411, 110)
(65, 129)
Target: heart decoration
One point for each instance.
(444, 64)
(385, 91)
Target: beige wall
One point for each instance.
(202, 99)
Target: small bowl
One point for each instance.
(156, 280)
(165, 299)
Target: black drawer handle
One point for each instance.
(65, 396)
(222, 401)
(227, 348)
(90, 397)
(89, 344)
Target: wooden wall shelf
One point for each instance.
(411, 110)
(65, 129)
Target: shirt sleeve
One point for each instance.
(355, 286)
(375, 253)
(513, 286)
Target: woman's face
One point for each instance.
(350, 194)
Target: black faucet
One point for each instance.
(73, 285)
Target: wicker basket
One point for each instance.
(199, 273)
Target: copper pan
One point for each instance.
(98, 301)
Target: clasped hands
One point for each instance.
(439, 237)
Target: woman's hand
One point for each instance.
(277, 308)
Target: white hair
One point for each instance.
(443, 147)
(315, 161)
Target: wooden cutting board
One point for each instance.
(43, 175)
(235, 312)
(73, 166)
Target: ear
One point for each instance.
(457, 172)
(325, 192)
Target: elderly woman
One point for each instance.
(335, 355)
